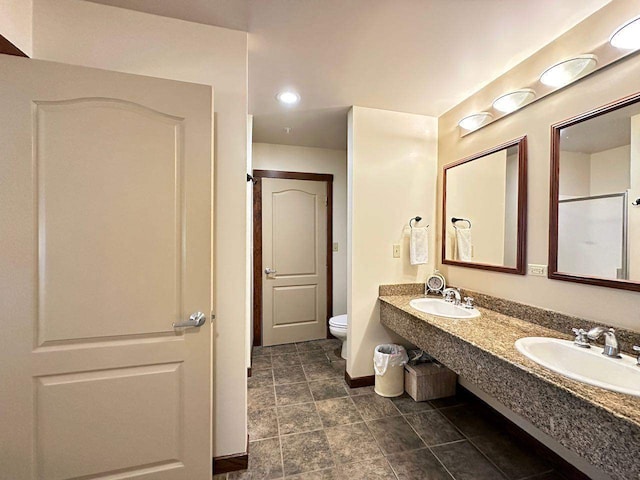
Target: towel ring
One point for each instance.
(454, 220)
(417, 219)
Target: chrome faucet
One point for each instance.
(450, 294)
(581, 339)
(637, 349)
(611, 348)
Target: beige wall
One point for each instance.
(511, 211)
(16, 18)
(600, 173)
(634, 193)
(476, 191)
(267, 156)
(392, 159)
(249, 243)
(610, 171)
(84, 33)
(575, 174)
(604, 305)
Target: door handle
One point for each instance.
(270, 271)
(195, 320)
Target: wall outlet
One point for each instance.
(396, 250)
(537, 270)
(335, 246)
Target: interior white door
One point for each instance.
(105, 208)
(294, 258)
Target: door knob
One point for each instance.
(270, 271)
(195, 320)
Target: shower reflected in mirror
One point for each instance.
(595, 224)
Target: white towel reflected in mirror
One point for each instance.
(464, 245)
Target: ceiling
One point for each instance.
(232, 14)
(416, 56)
(598, 134)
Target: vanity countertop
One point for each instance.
(483, 351)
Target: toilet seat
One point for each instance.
(338, 322)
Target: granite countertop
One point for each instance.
(496, 334)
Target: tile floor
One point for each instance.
(305, 423)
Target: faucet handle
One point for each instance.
(448, 295)
(468, 302)
(582, 340)
(636, 348)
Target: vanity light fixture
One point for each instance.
(288, 97)
(627, 36)
(475, 121)
(567, 71)
(623, 42)
(512, 101)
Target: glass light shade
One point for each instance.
(510, 102)
(475, 121)
(288, 97)
(627, 36)
(565, 72)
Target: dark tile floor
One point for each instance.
(305, 423)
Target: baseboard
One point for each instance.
(231, 463)
(358, 382)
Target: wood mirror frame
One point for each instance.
(554, 195)
(521, 241)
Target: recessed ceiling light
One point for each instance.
(567, 71)
(475, 121)
(510, 102)
(288, 97)
(627, 36)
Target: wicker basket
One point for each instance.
(428, 381)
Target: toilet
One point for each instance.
(338, 328)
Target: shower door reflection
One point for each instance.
(592, 236)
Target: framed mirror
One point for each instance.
(594, 228)
(484, 209)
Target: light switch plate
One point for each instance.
(537, 270)
(396, 250)
(335, 246)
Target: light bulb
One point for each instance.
(567, 71)
(288, 97)
(512, 101)
(627, 36)
(475, 121)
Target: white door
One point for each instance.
(105, 211)
(294, 258)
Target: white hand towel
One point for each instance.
(463, 244)
(419, 246)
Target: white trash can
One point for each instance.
(388, 363)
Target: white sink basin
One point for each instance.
(436, 306)
(586, 365)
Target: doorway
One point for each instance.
(293, 265)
